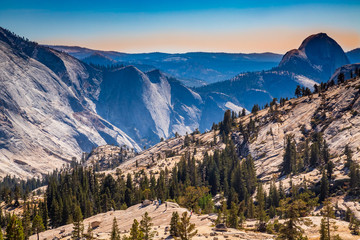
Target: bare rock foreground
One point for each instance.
(161, 219)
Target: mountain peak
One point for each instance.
(320, 34)
(318, 57)
(320, 42)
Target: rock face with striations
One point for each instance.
(47, 109)
(148, 106)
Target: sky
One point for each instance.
(184, 25)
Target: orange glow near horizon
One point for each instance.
(277, 41)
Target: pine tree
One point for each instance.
(26, 221)
(14, 229)
(44, 212)
(330, 169)
(145, 227)
(341, 78)
(55, 213)
(186, 229)
(16, 195)
(250, 210)
(261, 212)
(282, 194)
(174, 224)
(115, 234)
(354, 177)
(255, 109)
(325, 152)
(274, 199)
(348, 154)
(225, 126)
(314, 155)
(298, 91)
(187, 140)
(323, 232)
(135, 232)
(292, 210)
(78, 224)
(37, 225)
(128, 191)
(324, 191)
(233, 216)
(326, 227)
(289, 164)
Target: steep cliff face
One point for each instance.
(317, 57)
(47, 109)
(148, 106)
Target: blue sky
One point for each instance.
(181, 26)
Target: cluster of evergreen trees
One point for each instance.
(273, 105)
(81, 192)
(322, 87)
(92, 193)
(180, 228)
(107, 67)
(225, 173)
(317, 155)
(83, 188)
(298, 159)
(12, 188)
(22, 227)
(302, 91)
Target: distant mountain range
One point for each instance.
(315, 61)
(193, 69)
(54, 107)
